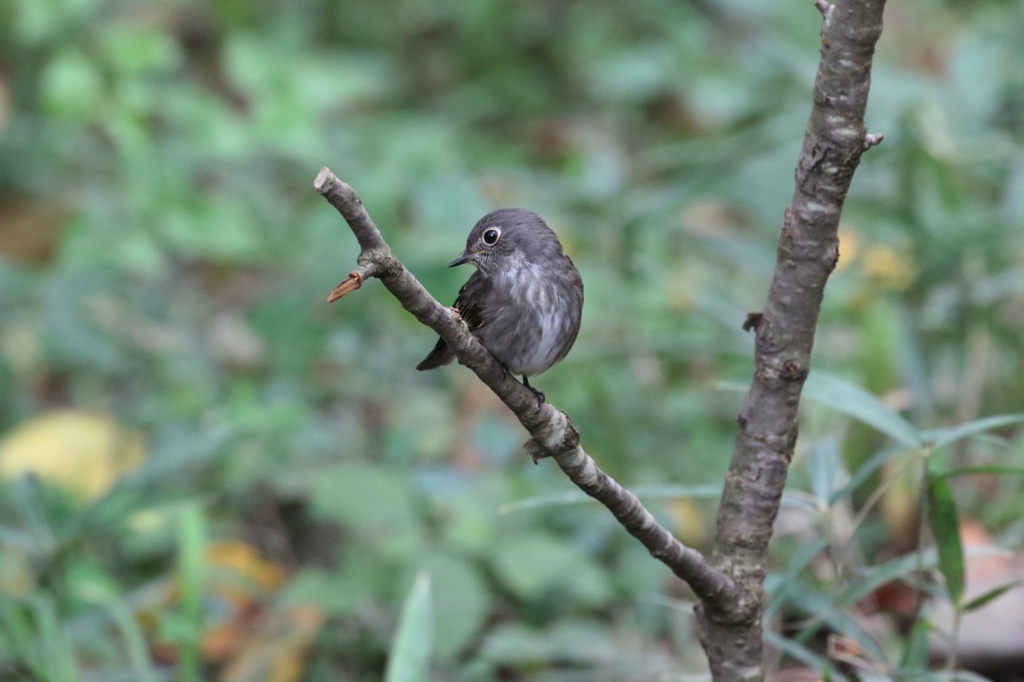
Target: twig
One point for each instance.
(552, 432)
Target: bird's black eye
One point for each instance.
(491, 236)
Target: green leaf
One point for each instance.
(790, 579)
(823, 463)
(826, 614)
(121, 613)
(28, 501)
(991, 595)
(534, 567)
(374, 502)
(134, 49)
(801, 653)
(409, 659)
(915, 655)
(948, 676)
(983, 470)
(939, 437)
(879, 575)
(828, 389)
(942, 516)
(20, 636)
(866, 470)
(59, 655)
(573, 640)
(72, 85)
(461, 600)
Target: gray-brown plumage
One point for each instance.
(525, 300)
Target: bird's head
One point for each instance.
(505, 235)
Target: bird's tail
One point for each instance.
(441, 355)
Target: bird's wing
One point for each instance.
(471, 301)
(470, 304)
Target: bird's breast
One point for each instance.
(535, 321)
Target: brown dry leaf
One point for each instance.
(985, 568)
(245, 569)
(277, 652)
(239, 576)
(83, 452)
(847, 650)
(29, 229)
(901, 502)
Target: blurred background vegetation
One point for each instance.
(234, 480)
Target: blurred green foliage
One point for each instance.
(164, 259)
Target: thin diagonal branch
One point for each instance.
(808, 251)
(553, 433)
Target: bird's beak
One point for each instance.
(467, 257)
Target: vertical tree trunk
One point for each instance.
(808, 251)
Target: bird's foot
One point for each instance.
(536, 394)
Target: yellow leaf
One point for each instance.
(890, 268)
(851, 245)
(687, 520)
(83, 452)
(242, 570)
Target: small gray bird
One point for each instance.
(525, 300)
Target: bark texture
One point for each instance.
(808, 251)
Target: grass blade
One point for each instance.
(942, 516)
(58, 652)
(134, 639)
(191, 558)
(991, 595)
(790, 580)
(409, 660)
(939, 437)
(861, 475)
(828, 389)
(982, 470)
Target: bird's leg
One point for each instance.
(537, 394)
